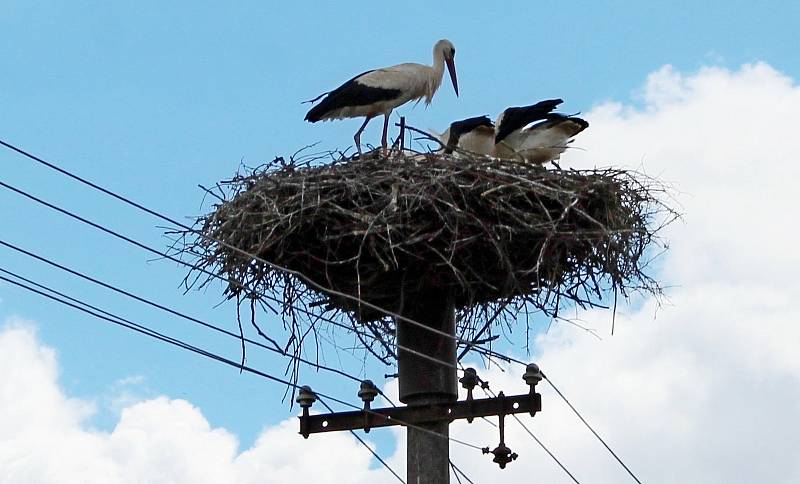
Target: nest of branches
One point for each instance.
(350, 236)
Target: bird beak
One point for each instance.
(451, 68)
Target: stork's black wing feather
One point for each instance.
(518, 117)
(460, 128)
(351, 93)
(555, 119)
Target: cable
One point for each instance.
(489, 392)
(211, 274)
(160, 253)
(150, 249)
(375, 454)
(297, 274)
(209, 325)
(156, 214)
(457, 471)
(288, 271)
(550, 382)
(545, 449)
(181, 344)
(593, 431)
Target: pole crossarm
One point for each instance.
(417, 414)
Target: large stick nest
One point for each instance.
(490, 231)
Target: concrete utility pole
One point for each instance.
(428, 387)
(424, 382)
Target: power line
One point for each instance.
(168, 219)
(181, 344)
(488, 391)
(121, 291)
(211, 274)
(592, 429)
(563, 397)
(541, 444)
(288, 271)
(457, 471)
(162, 254)
(375, 454)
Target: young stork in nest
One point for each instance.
(475, 135)
(379, 91)
(531, 133)
(534, 133)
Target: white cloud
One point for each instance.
(707, 391)
(726, 140)
(44, 439)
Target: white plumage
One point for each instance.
(480, 140)
(542, 142)
(379, 91)
(474, 135)
(532, 134)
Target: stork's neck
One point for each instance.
(438, 66)
(437, 72)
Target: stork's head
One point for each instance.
(445, 49)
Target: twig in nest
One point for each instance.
(486, 229)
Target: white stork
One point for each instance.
(379, 91)
(534, 133)
(474, 135)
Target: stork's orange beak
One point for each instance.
(451, 68)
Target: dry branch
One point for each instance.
(491, 231)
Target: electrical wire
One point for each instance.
(592, 429)
(183, 226)
(208, 325)
(159, 253)
(114, 319)
(375, 454)
(457, 471)
(294, 273)
(541, 444)
(574, 410)
(489, 392)
(209, 273)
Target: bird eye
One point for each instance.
(452, 52)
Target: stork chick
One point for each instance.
(534, 133)
(475, 135)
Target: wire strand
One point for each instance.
(375, 454)
(181, 344)
(592, 429)
(177, 313)
(457, 471)
(211, 274)
(541, 444)
(183, 226)
(289, 271)
(489, 392)
(563, 397)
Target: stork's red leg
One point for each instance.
(384, 141)
(357, 137)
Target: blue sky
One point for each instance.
(151, 99)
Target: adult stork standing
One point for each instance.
(534, 133)
(379, 91)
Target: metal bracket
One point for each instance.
(443, 412)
